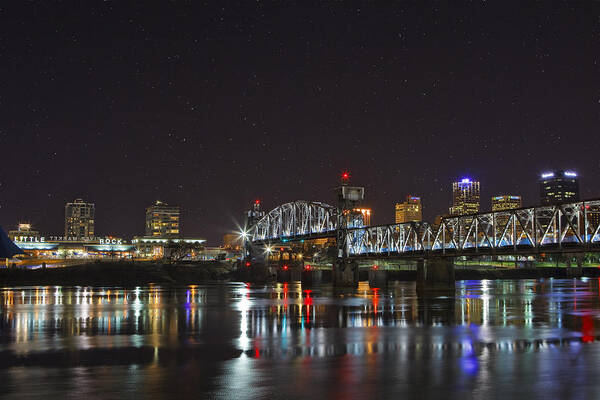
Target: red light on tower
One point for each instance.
(248, 263)
(285, 267)
(375, 266)
(257, 202)
(345, 177)
(307, 267)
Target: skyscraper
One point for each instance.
(505, 202)
(559, 187)
(409, 210)
(465, 197)
(79, 219)
(162, 220)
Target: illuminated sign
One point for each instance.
(111, 241)
(30, 239)
(42, 239)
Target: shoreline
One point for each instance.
(131, 274)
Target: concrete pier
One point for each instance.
(377, 278)
(288, 275)
(435, 274)
(577, 270)
(345, 274)
(311, 277)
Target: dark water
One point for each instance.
(492, 339)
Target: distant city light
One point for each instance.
(465, 180)
(570, 173)
(547, 174)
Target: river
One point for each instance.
(528, 339)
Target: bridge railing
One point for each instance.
(532, 228)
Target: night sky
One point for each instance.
(209, 106)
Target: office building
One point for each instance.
(559, 187)
(162, 220)
(23, 229)
(465, 197)
(79, 219)
(506, 202)
(410, 210)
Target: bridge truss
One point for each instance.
(571, 227)
(566, 227)
(296, 219)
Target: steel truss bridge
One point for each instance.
(569, 227)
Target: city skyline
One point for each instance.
(177, 209)
(211, 106)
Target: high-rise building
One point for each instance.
(410, 210)
(79, 219)
(162, 220)
(465, 197)
(559, 187)
(506, 202)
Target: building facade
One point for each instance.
(162, 220)
(159, 247)
(232, 241)
(559, 187)
(465, 197)
(410, 210)
(79, 219)
(23, 229)
(73, 247)
(506, 202)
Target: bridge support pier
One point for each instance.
(377, 278)
(289, 275)
(312, 277)
(575, 271)
(435, 274)
(345, 274)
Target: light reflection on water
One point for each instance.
(239, 340)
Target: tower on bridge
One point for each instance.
(348, 198)
(251, 219)
(254, 214)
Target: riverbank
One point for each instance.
(131, 274)
(125, 274)
(500, 273)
